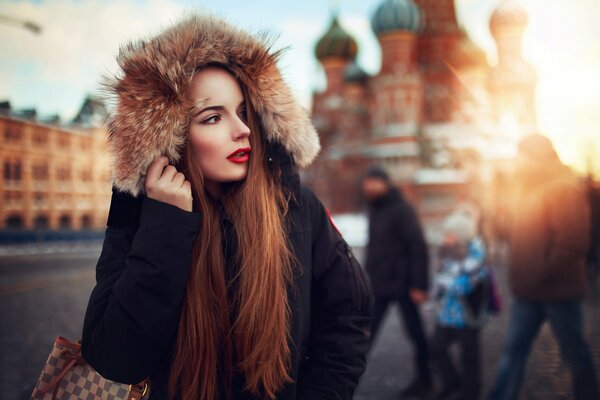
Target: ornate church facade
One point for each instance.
(434, 112)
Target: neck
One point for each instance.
(214, 188)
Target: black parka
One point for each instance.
(132, 317)
(397, 257)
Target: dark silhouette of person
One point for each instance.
(397, 264)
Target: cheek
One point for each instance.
(207, 149)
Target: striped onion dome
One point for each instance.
(510, 13)
(397, 15)
(466, 54)
(336, 43)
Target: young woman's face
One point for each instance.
(217, 129)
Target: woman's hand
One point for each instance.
(165, 184)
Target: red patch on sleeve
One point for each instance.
(332, 221)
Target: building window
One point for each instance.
(17, 171)
(12, 171)
(86, 145)
(64, 222)
(86, 222)
(63, 173)
(14, 222)
(40, 137)
(86, 175)
(63, 142)
(40, 222)
(12, 198)
(40, 172)
(39, 198)
(12, 134)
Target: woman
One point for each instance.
(220, 275)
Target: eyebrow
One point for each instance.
(216, 108)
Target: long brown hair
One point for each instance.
(255, 324)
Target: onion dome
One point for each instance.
(466, 54)
(509, 14)
(336, 43)
(397, 15)
(353, 73)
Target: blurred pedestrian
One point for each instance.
(397, 263)
(549, 235)
(593, 258)
(220, 276)
(460, 292)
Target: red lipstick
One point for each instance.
(240, 156)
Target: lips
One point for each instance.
(240, 155)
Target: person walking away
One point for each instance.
(549, 238)
(397, 264)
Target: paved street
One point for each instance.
(390, 366)
(43, 296)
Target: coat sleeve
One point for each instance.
(413, 239)
(341, 302)
(141, 274)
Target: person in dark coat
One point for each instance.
(397, 264)
(220, 275)
(549, 235)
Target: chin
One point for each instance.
(235, 177)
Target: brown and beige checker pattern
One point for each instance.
(81, 381)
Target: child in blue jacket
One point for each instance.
(459, 291)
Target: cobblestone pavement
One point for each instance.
(547, 377)
(43, 296)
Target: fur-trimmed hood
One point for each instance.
(151, 112)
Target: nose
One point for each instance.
(240, 130)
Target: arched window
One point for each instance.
(14, 222)
(40, 222)
(64, 222)
(86, 222)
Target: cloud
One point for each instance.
(79, 41)
(298, 65)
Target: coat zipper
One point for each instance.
(358, 281)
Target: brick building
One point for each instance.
(54, 177)
(437, 115)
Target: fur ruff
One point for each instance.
(150, 113)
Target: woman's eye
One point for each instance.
(243, 115)
(212, 119)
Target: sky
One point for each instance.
(54, 71)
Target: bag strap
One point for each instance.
(72, 360)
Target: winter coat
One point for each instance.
(397, 257)
(549, 234)
(459, 287)
(132, 317)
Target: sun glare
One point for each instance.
(559, 44)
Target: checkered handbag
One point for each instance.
(67, 375)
